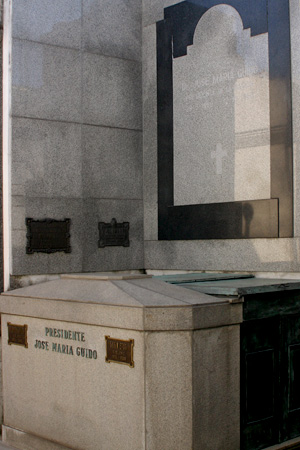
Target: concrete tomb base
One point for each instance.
(176, 383)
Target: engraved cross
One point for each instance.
(219, 154)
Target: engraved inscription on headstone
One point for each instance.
(48, 236)
(113, 234)
(17, 334)
(119, 351)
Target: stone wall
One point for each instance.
(76, 129)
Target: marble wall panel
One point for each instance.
(112, 92)
(113, 28)
(112, 163)
(46, 82)
(46, 159)
(57, 22)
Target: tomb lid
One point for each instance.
(240, 287)
(141, 303)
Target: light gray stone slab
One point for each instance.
(113, 28)
(112, 92)
(41, 263)
(57, 22)
(216, 375)
(113, 258)
(222, 84)
(112, 163)
(249, 255)
(46, 158)
(46, 81)
(295, 56)
(168, 391)
(150, 132)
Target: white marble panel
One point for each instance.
(221, 113)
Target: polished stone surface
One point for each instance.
(57, 22)
(112, 163)
(221, 114)
(113, 28)
(46, 81)
(112, 92)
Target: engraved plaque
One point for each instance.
(17, 334)
(48, 236)
(113, 234)
(119, 351)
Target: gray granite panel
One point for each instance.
(112, 163)
(263, 255)
(46, 158)
(150, 132)
(112, 92)
(113, 258)
(295, 55)
(57, 22)
(46, 81)
(113, 28)
(41, 208)
(153, 10)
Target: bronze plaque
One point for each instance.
(48, 236)
(119, 351)
(17, 334)
(113, 234)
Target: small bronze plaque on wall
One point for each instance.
(119, 351)
(48, 236)
(17, 334)
(113, 234)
